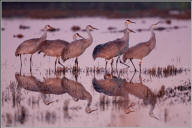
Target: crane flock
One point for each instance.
(67, 50)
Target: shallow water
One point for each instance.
(35, 102)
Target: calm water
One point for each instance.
(122, 99)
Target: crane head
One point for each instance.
(48, 27)
(76, 35)
(79, 35)
(89, 27)
(152, 26)
(128, 22)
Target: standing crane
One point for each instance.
(32, 45)
(142, 49)
(113, 48)
(55, 47)
(78, 47)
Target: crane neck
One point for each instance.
(126, 25)
(152, 34)
(152, 31)
(74, 37)
(90, 38)
(89, 100)
(126, 36)
(152, 40)
(42, 38)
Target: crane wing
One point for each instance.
(108, 50)
(138, 51)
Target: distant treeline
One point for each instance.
(90, 9)
(121, 6)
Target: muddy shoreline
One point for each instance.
(53, 13)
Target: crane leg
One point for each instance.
(55, 64)
(124, 63)
(60, 62)
(21, 63)
(31, 62)
(106, 64)
(112, 63)
(117, 62)
(140, 64)
(20, 60)
(133, 65)
(76, 62)
(132, 77)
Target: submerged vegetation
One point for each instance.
(167, 71)
(117, 100)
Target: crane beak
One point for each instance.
(129, 21)
(158, 22)
(79, 35)
(155, 24)
(131, 31)
(91, 27)
(132, 22)
(50, 27)
(95, 28)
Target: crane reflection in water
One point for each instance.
(55, 86)
(116, 86)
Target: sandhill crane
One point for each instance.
(113, 48)
(55, 47)
(32, 45)
(78, 47)
(77, 91)
(142, 49)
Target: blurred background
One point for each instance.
(179, 10)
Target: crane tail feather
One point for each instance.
(96, 86)
(96, 51)
(124, 58)
(16, 53)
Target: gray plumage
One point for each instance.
(78, 47)
(77, 92)
(120, 87)
(112, 48)
(28, 82)
(48, 86)
(53, 86)
(54, 48)
(75, 49)
(110, 86)
(32, 45)
(28, 47)
(141, 50)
